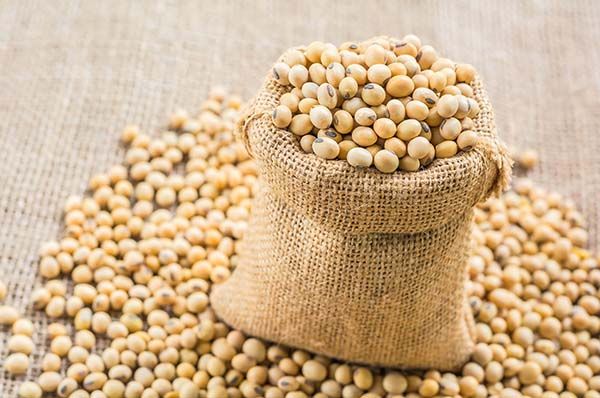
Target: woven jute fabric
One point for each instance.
(73, 73)
(357, 264)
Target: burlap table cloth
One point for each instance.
(72, 74)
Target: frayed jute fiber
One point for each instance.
(356, 264)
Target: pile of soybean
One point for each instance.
(394, 104)
(143, 248)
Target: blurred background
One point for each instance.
(74, 73)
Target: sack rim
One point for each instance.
(288, 144)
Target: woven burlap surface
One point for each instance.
(318, 288)
(73, 73)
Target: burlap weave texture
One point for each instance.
(356, 264)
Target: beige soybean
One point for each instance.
(465, 89)
(409, 129)
(362, 377)
(353, 105)
(528, 159)
(473, 108)
(426, 56)
(451, 90)
(321, 117)
(280, 72)
(294, 57)
(348, 87)
(365, 116)
(375, 54)
(467, 123)
(334, 73)
(450, 128)
(51, 362)
(325, 148)
(419, 147)
(306, 143)
(397, 68)
(386, 161)
(30, 389)
(301, 125)
(467, 140)
(426, 96)
(438, 81)
(317, 74)
(379, 74)
(329, 56)
(314, 50)
(349, 57)
(8, 315)
(314, 371)
(290, 101)
(420, 80)
(56, 307)
(408, 163)
(465, 73)
(49, 267)
(447, 106)
(400, 86)
(373, 94)
(395, 145)
(343, 121)
(345, 146)
(20, 343)
(380, 111)
(364, 136)
(330, 133)
(384, 128)
(61, 345)
(23, 326)
(373, 149)
(49, 381)
(298, 75)
(463, 107)
(396, 110)
(282, 116)
(16, 364)
(359, 157)
(306, 104)
(417, 110)
(327, 95)
(309, 90)
(429, 388)
(358, 73)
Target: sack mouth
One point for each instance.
(364, 200)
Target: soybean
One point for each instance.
(359, 157)
(386, 161)
(325, 148)
(282, 116)
(16, 364)
(30, 390)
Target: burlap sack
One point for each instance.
(356, 264)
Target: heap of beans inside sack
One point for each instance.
(394, 104)
(144, 247)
